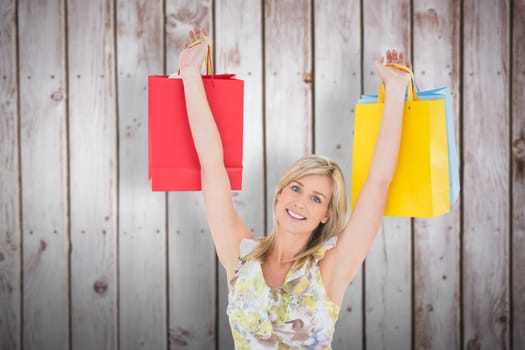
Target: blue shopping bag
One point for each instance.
(453, 164)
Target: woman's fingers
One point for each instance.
(199, 33)
(395, 58)
(196, 35)
(402, 58)
(392, 56)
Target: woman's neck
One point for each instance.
(287, 246)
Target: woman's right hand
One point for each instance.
(194, 54)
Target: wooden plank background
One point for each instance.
(10, 213)
(93, 164)
(517, 92)
(44, 180)
(90, 258)
(142, 218)
(486, 173)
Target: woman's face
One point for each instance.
(303, 204)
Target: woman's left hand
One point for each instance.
(389, 74)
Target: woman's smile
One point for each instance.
(295, 215)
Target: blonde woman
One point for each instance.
(285, 289)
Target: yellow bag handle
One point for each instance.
(412, 95)
(208, 57)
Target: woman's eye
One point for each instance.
(316, 199)
(295, 188)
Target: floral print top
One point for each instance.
(297, 315)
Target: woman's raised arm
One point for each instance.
(343, 262)
(226, 226)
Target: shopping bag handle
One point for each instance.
(412, 95)
(208, 57)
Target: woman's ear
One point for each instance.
(325, 219)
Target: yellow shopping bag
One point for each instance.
(420, 187)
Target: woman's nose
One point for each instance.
(299, 203)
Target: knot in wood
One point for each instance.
(473, 344)
(518, 149)
(100, 286)
(307, 77)
(57, 96)
(43, 246)
(179, 337)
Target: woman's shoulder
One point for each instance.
(325, 246)
(248, 245)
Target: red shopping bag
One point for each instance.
(173, 164)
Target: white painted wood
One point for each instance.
(288, 88)
(518, 174)
(388, 265)
(486, 175)
(436, 34)
(337, 62)
(238, 49)
(192, 264)
(93, 173)
(10, 230)
(44, 174)
(142, 213)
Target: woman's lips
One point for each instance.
(295, 215)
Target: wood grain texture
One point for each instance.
(238, 26)
(44, 174)
(388, 265)
(337, 66)
(93, 173)
(288, 88)
(10, 230)
(436, 33)
(518, 174)
(192, 265)
(142, 213)
(486, 175)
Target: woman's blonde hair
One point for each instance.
(310, 165)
